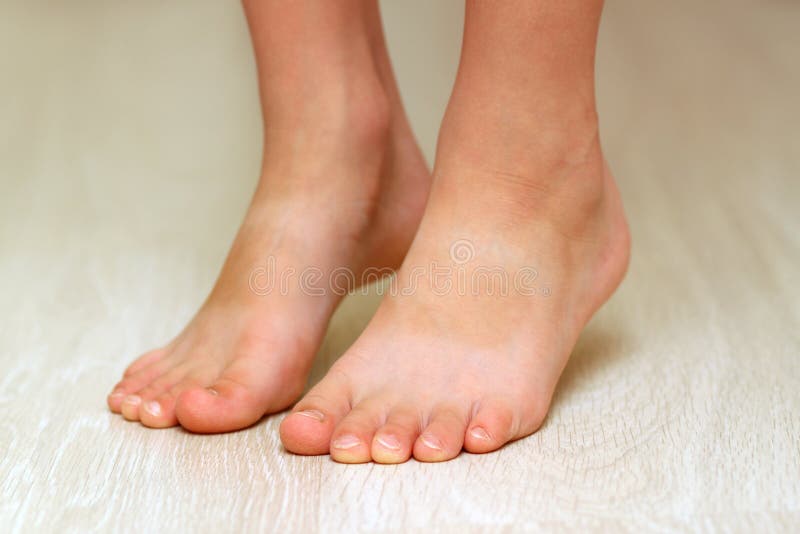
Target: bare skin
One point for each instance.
(521, 179)
(343, 184)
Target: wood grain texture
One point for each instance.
(129, 144)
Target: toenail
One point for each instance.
(479, 433)
(346, 442)
(313, 414)
(132, 399)
(389, 442)
(213, 391)
(117, 394)
(431, 442)
(153, 408)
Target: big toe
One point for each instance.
(239, 398)
(308, 429)
(223, 407)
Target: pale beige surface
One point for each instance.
(129, 138)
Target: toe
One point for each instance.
(239, 398)
(145, 360)
(394, 441)
(159, 412)
(162, 384)
(352, 438)
(157, 409)
(308, 429)
(130, 407)
(135, 407)
(133, 384)
(115, 398)
(493, 426)
(443, 438)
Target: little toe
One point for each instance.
(394, 441)
(443, 438)
(133, 384)
(351, 441)
(115, 398)
(308, 429)
(493, 426)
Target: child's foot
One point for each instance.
(334, 193)
(445, 364)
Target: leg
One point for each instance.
(343, 184)
(526, 215)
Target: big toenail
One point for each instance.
(346, 442)
(313, 414)
(389, 442)
(132, 399)
(479, 433)
(432, 442)
(153, 408)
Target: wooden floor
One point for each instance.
(129, 143)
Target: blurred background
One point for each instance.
(130, 144)
(133, 130)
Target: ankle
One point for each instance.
(341, 112)
(333, 142)
(522, 133)
(533, 165)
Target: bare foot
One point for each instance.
(343, 186)
(444, 367)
